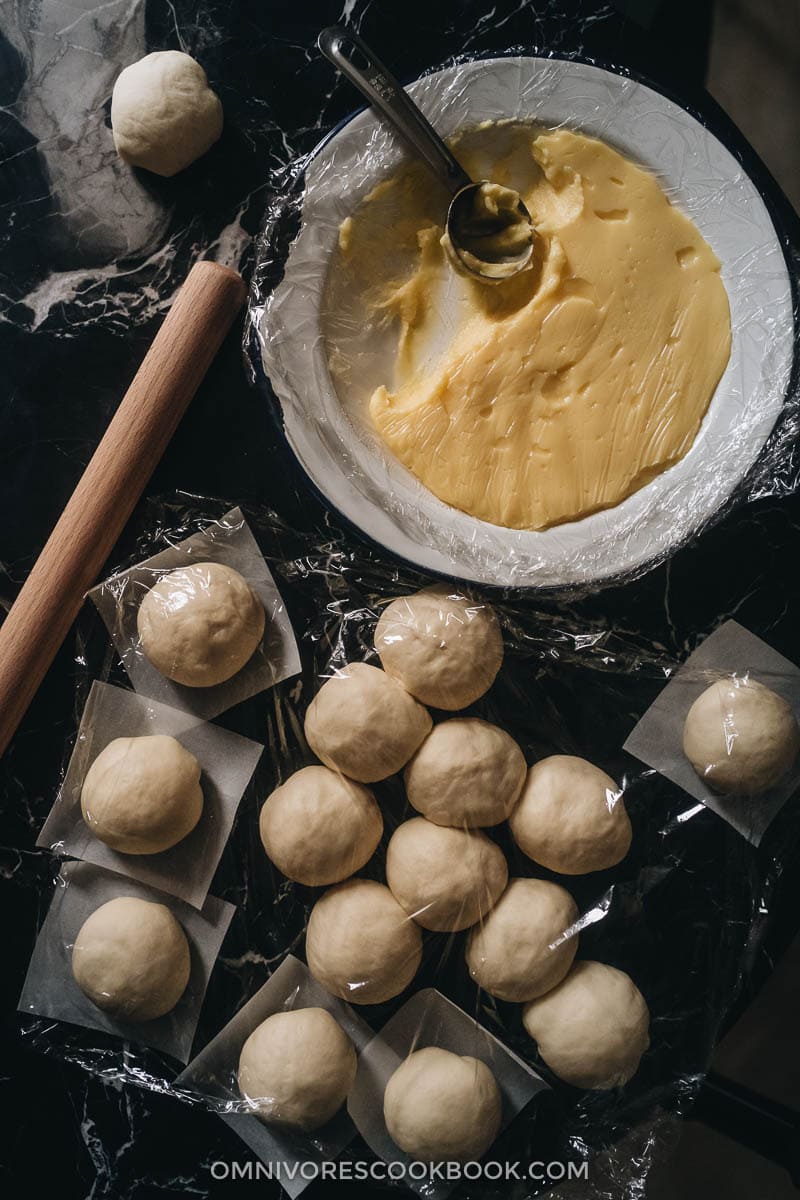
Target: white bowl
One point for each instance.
(364, 482)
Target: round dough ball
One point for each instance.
(319, 828)
(131, 958)
(592, 1028)
(360, 944)
(571, 817)
(740, 737)
(466, 773)
(444, 648)
(200, 624)
(364, 724)
(163, 113)
(441, 1107)
(446, 879)
(142, 795)
(297, 1068)
(519, 951)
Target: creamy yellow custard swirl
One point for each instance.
(563, 391)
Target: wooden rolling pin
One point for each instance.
(112, 483)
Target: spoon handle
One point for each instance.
(355, 60)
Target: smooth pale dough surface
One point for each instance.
(444, 647)
(142, 795)
(360, 944)
(163, 113)
(446, 879)
(520, 951)
(467, 773)
(297, 1068)
(592, 1028)
(740, 736)
(442, 1107)
(200, 624)
(363, 723)
(571, 817)
(564, 390)
(131, 958)
(319, 827)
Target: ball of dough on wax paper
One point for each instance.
(200, 624)
(364, 724)
(296, 1068)
(163, 113)
(741, 737)
(360, 944)
(444, 647)
(131, 958)
(320, 827)
(442, 1107)
(142, 795)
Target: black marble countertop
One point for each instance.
(91, 254)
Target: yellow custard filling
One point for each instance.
(564, 390)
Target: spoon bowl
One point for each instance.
(490, 240)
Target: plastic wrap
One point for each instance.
(730, 653)
(430, 1019)
(212, 1076)
(743, 447)
(681, 913)
(51, 990)
(226, 760)
(229, 542)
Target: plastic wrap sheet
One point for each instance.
(227, 541)
(52, 991)
(658, 738)
(682, 913)
(227, 763)
(213, 1074)
(743, 449)
(430, 1019)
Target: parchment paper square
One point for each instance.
(658, 737)
(430, 1019)
(227, 540)
(212, 1074)
(227, 762)
(51, 991)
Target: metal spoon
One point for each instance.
(474, 218)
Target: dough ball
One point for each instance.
(364, 724)
(592, 1028)
(200, 624)
(446, 879)
(444, 648)
(297, 1068)
(740, 737)
(163, 113)
(571, 817)
(360, 944)
(441, 1107)
(142, 795)
(519, 951)
(466, 773)
(319, 827)
(131, 958)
